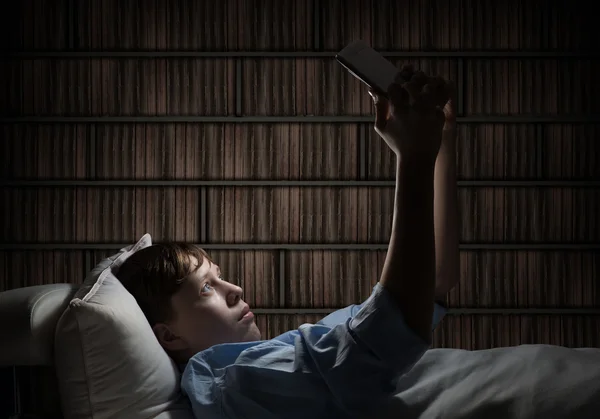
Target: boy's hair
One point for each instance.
(153, 274)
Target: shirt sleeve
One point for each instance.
(361, 360)
(340, 316)
(346, 313)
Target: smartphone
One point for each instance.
(369, 66)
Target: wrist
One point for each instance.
(415, 177)
(418, 164)
(449, 136)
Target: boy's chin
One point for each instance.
(253, 333)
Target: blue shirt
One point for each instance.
(342, 366)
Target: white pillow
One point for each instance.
(108, 362)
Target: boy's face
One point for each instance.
(207, 311)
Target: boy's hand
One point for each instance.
(449, 107)
(411, 122)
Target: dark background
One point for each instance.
(229, 124)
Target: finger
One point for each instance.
(405, 74)
(450, 105)
(399, 98)
(413, 89)
(440, 91)
(415, 85)
(436, 87)
(427, 97)
(381, 112)
(420, 78)
(450, 92)
(440, 116)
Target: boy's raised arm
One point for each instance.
(411, 123)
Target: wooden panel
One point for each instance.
(531, 87)
(294, 215)
(34, 25)
(315, 86)
(504, 279)
(11, 81)
(27, 268)
(100, 214)
(478, 332)
(573, 151)
(44, 151)
(206, 87)
(328, 279)
(195, 25)
(350, 215)
(505, 215)
(509, 152)
(527, 279)
(289, 24)
(485, 332)
(227, 151)
(285, 151)
(511, 24)
(458, 24)
(385, 24)
(118, 86)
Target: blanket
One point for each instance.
(522, 382)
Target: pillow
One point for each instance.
(108, 362)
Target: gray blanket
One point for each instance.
(528, 381)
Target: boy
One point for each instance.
(346, 364)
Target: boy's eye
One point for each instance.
(204, 287)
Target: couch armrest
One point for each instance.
(28, 321)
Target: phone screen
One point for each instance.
(369, 66)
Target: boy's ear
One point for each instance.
(169, 340)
